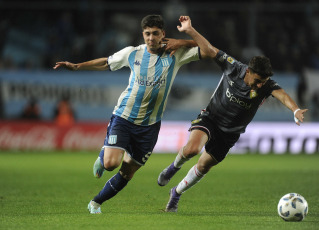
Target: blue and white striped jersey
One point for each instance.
(144, 100)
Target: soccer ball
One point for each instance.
(292, 207)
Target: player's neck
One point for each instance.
(157, 51)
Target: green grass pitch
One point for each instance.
(51, 190)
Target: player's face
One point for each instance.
(153, 37)
(255, 81)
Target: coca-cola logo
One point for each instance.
(37, 137)
(78, 138)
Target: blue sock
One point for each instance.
(111, 188)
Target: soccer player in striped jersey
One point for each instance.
(240, 92)
(134, 126)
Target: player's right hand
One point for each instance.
(299, 115)
(171, 45)
(65, 64)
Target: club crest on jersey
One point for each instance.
(253, 93)
(112, 139)
(165, 62)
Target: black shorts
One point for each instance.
(219, 143)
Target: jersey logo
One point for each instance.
(237, 100)
(230, 60)
(165, 62)
(231, 83)
(223, 58)
(112, 139)
(137, 62)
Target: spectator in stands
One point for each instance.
(64, 114)
(32, 110)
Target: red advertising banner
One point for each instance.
(48, 135)
(260, 137)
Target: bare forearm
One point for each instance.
(206, 48)
(282, 96)
(290, 103)
(96, 64)
(285, 99)
(188, 43)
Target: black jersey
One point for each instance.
(233, 104)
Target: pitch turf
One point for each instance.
(41, 190)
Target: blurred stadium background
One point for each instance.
(35, 34)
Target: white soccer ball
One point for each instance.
(292, 207)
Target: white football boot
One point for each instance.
(94, 208)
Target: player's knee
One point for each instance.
(110, 164)
(203, 169)
(205, 164)
(190, 151)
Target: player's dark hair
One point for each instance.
(152, 21)
(261, 66)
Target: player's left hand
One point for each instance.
(299, 116)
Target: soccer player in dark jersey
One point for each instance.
(240, 92)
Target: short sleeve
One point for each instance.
(120, 59)
(185, 55)
(229, 65)
(271, 86)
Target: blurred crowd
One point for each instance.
(36, 37)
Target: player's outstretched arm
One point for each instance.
(282, 96)
(207, 50)
(96, 64)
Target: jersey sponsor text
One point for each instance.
(237, 100)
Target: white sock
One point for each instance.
(180, 159)
(193, 176)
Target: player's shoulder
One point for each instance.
(140, 47)
(133, 48)
(223, 57)
(272, 84)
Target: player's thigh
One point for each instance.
(129, 167)
(112, 157)
(205, 162)
(195, 143)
